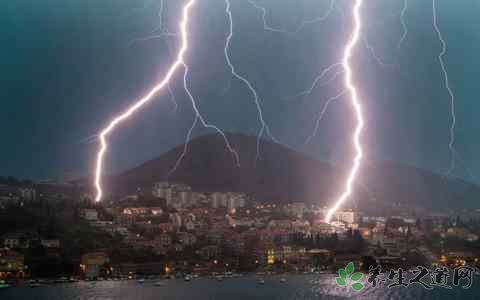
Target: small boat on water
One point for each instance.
(61, 280)
(35, 285)
(261, 281)
(283, 280)
(141, 280)
(159, 283)
(187, 278)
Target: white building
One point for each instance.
(176, 220)
(175, 194)
(50, 243)
(219, 200)
(184, 198)
(11, 242)
(345, 216)
(231, 201)
(297, 209)
(90, 214)
(28, 193)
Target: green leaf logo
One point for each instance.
(349, 268)
(354, 277)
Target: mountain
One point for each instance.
(284, 175)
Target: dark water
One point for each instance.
(297, 287)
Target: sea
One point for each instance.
(242, 288)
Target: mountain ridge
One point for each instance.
(286, 175)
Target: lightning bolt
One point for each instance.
(404, 24)
(322, 113)
(318, 79)
(375, 56)
(304, 23)
(451, 144)
(355, 101)
(164, 32)
(322, 74)
(179, 62)
(264, 127)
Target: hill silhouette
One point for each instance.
(284, 175)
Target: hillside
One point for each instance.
(286, 175)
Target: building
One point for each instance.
(11, 262)
(175, 194)
(92, 264)
(50, 243)
(235, 201)
(176, 220)
(345, 216)
(156, 211)
(28, 194)
(163, 190)
(219, 200)
(8, 195)
(183, 199)
(11, 242)
(187, 239)
(297, 209)
(90, 214)
(20, 239)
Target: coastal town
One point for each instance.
(54, 231)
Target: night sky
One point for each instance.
(69, 66)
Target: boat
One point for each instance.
(35, 285)
(187, 278)
(159, 283)
(141, 280)
(61, 280)
(4, 285)
(283, 280)
(261, 281)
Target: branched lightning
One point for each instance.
(357, 108)
(162, 29)
(172, 98)
(404, 24)
(199, 117)
(304, 23)
(318, 79)
(179, 62)
(451, 144)
(377, 58)
(322, 113)
(264, 127)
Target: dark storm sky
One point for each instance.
(68, 66)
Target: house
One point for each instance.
(209, 252)
(190, 225)
(92, 264)
(20, 239)
(89, 214)
(123, 231)
(50, 243)
(11, 242)
(187, 239)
